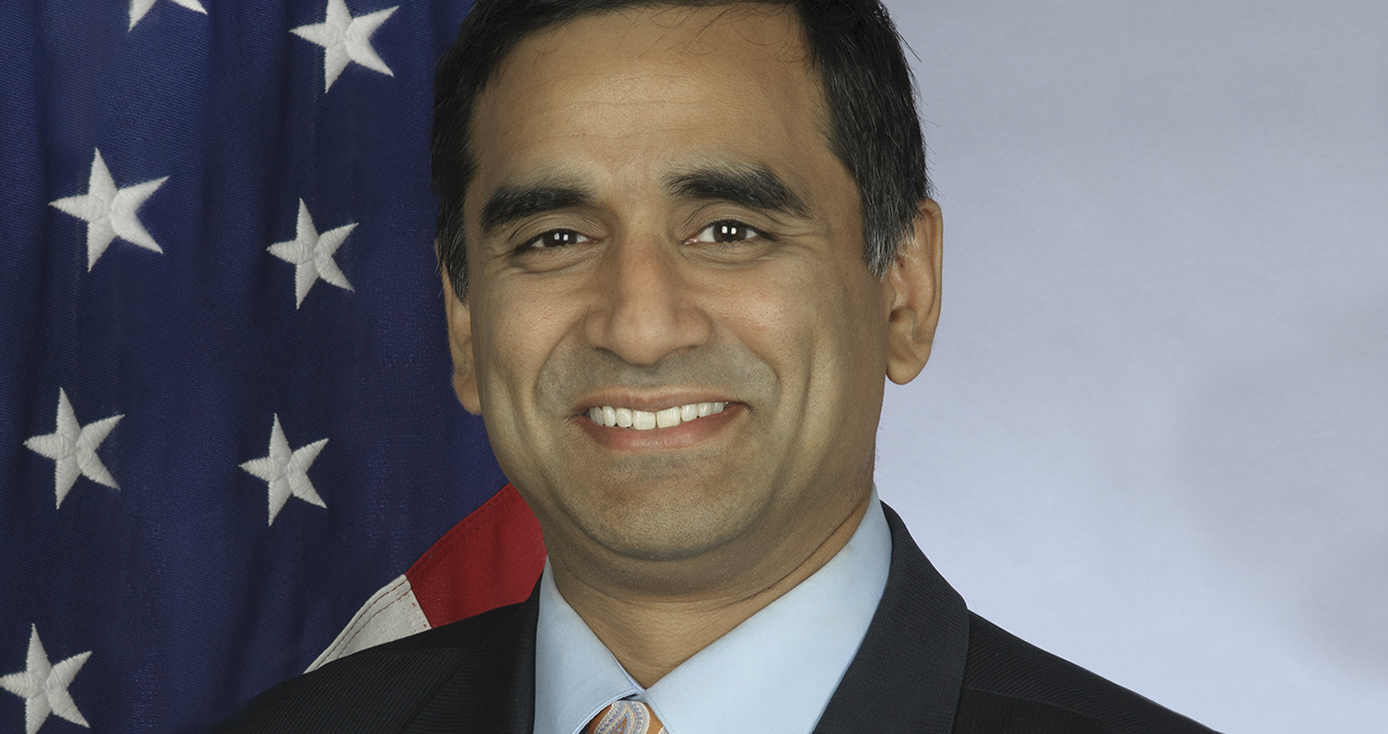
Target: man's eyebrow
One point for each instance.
(753, 186)
(513, 202)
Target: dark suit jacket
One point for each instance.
(927, 664)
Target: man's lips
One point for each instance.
(646, 420)
(650, 423)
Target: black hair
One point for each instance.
(853, 45)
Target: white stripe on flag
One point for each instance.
(391, 613)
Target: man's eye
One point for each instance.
(556, 238)
(726, 231)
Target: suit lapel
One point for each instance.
(493, 688)
(908, 672)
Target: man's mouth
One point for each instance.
(645, 420)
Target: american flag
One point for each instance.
(226, 421)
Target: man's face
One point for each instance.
(656, 222)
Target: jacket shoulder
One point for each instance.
(376, 690)
(1011, 685)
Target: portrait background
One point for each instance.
(1153, 436)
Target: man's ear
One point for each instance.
(914, 281)
(459, 318)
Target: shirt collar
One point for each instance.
(774, 673)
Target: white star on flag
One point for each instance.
(110, 212)
(345, 39)
(73, 449)
(287, 471)
(138, 8)
(311, 254)
(43, 686)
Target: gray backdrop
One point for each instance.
(1153, 436)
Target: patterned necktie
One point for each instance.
(625, 717)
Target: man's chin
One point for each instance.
(665, 529)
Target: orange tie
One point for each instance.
(625, 717)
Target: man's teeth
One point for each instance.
(644, 420)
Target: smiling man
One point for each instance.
(683, 247)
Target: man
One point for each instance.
(682, 245)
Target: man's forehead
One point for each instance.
(773, 29)
(620, 43)
(657, 95)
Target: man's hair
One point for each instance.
(853, 45)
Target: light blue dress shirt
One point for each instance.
(772, 674)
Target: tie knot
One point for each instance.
(625, 717)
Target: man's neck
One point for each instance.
(651, 634)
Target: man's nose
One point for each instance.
(644, 309)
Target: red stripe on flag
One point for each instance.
(491, 558)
